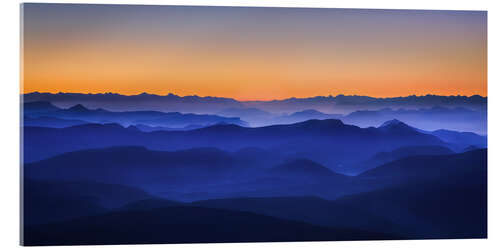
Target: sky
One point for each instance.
(252, 53)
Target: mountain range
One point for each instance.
(45, 113)
(114, 169)
(197, 104)
(433, 196)
(310, 139)
(434, 118)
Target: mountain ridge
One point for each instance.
(209, 104)
(310, 139)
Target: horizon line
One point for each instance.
(252, 100)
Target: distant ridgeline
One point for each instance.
(153, 112)
(197, 104)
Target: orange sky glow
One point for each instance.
(253, 53)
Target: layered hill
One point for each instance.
(184, 225)
(41, 109)
(329, 142)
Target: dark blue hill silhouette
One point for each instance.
(304, 169)
(136, 166)
(38, 107)
(49, 201)
(51, 122)
(304, 177)
(463, 139)
(133, 128)
(78, 109)
(304, 115)
(307, 209)
(149, 118)
(328, 142)
(258, 157)
(402, 152)
(441, 196)
(412, 150)
(448, 204)
(149, 204)
(179, 120)
(342, 144)
(431, 167)
(456, 139)
(198, 173)
(396, 126)
(470, 148)
(430, 209)
(318, 135)
(312, 210)
(184, 225)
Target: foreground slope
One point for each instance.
(55, 200)
(432, 196)
(184, 225)
(470, 164)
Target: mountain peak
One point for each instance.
(393, 122)
(78, 108)
(396, 125)
(133, 128)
